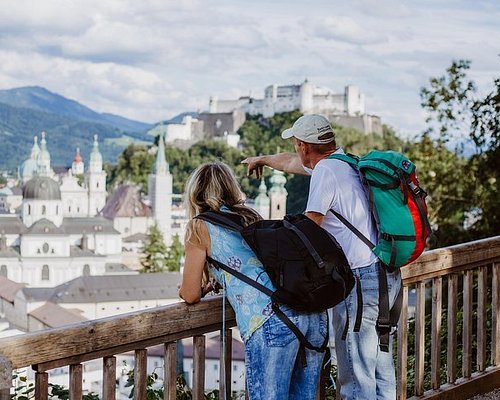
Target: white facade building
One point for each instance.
(53, 239)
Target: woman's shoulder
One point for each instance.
(197, 233)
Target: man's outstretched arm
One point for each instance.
(286, 162)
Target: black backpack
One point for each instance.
(304, 262)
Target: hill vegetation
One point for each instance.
(26, 112)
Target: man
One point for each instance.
(364, 371)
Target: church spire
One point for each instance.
(161, 166)
(35, 150)
(77, 168)
(43, 158)
(95, 157)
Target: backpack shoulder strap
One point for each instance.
(221, 219)
(350, 159)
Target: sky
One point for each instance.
(150, 60)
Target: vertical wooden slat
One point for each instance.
(451, 347)
(109, 378)
(75, 381)
(225, 364)
(437, 300)
(140, 374)
(419, 338)
(5, 377)
(170, 370)
(495, 311)
(467, 324)
(41, 386)
(198, 367)
(402, 364)
(481, 318)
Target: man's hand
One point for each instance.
(255, 164)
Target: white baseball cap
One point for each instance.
(311, 128)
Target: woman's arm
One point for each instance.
(196, 248)
(194, 264)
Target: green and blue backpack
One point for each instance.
(397, 203)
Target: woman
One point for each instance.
(273, 370)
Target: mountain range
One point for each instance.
(27, 111)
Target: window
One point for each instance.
(44, 210)
(57, 210)
(45, 248)
(45, 273)
(29, 209)
(3, 271)
(86, 270)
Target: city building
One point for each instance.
(57, 234)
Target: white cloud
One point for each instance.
(151, 59)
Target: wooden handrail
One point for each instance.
(107, 337)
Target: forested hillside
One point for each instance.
(26, 112)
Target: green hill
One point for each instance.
(26, 112)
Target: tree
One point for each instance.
(449, 100)
(471, 183)
(155, 252)
(175, 253)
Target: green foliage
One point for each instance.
(449, 101)
(154, 390)
(463, 195)
(155, 252)
(174, 255)
(26, 391)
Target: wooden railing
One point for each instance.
(470, 273)
(105, 338)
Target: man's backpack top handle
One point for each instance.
(304, 262)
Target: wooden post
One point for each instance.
(437, 294)
(140, 374)
(451, 347)
(41, 386)
(225, 364)
(5, 378)
(467, 324)
(420, 339)
(75, 381)
(402, 365)
(109, 378)
(495, 311)
(170, 371)
(199, 367)
(481, 318)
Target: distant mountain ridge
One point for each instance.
(27, 111)
(41, 99)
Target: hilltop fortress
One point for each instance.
(225, 117)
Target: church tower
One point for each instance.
(43, 159)
(262, 202)
(160, 193)
(277, 195)
(96, 181)
(77, 168)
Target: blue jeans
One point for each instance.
(273, 370)
(364, 371)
